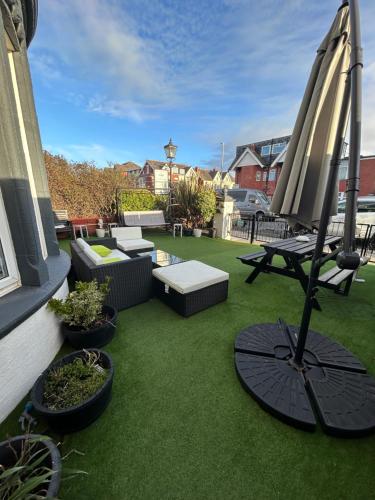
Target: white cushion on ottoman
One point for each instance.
(128, 245)
(190, 276)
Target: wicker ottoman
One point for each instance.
(191, 286)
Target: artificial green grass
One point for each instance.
(180, 426)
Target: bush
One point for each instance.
(73, 383)
(138, 200)
(83, 307)
(196, 204)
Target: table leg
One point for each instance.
(260, 267)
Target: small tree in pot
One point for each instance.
(87, 322)
(196, 205)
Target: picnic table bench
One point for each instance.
(295, 253)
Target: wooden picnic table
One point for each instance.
(295, 253)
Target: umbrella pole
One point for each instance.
(353, 93)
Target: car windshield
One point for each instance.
(341, 207)
(238, 195)
(366, 206)
(263, 197)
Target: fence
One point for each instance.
(269, 228)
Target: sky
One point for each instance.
(115, 79)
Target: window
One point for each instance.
(366, 206)
(278, 148)
(258, 175)
(343, 170)
(265, 175)
(9, 277)
(272, 175)
(238, 195)
(266, 150)
(182, 171)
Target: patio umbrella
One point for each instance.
(294, 373)
(302, 184)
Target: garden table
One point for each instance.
(294, 254)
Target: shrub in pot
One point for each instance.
(75, 390)
(30, 467)
(87, 322)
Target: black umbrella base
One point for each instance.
(332, 386)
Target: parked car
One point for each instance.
(365, 215)
(250, 201)
(365, 210)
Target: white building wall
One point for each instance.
(26, 352)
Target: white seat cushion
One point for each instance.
(126, 233)
(98, 260)
(128, 245)
(190, 276)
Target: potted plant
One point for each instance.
(30, 467)
(195, 205)
(87, 322)
(100, 232)
(75, 390)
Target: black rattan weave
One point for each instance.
(131, 281)
(193, 302)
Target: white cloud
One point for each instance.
(99, 154)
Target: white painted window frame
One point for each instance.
(13, 280)
(280, 146)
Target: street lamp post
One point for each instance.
(170, 152)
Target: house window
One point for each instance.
(9, 276)
(258, 175)
(182, 171)
(265, 175)
(278, 148)
(266, 150)
(272, 175)
(343, 170)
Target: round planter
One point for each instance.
(52, 460)
(188, 232)
(96, 337)
(80, 416)
(100, 233)
(197, 233)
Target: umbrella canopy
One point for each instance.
(302, 184)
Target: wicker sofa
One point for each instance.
(131, 281)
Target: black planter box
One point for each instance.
(96, 337)
(80, 416)
(52, 460)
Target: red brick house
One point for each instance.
(155, 175)
(258, 165)
(366, 172)
(128, 168)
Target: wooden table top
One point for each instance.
(292, 246)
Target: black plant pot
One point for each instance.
(96, 337)
(52, 460)
(77, 417)
(188, 232)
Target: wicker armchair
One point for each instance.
(131, 280)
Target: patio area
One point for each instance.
(180, 426)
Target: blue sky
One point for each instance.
(114, 79)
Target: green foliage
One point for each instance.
(206, 204)
(73, 383)
(161, 202)
(28, 477)
(83, 307)
(137, 200)
(196, 204)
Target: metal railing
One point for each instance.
(270, 228)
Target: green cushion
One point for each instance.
(111, 259)
(101, 250)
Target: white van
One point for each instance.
(250, 201)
